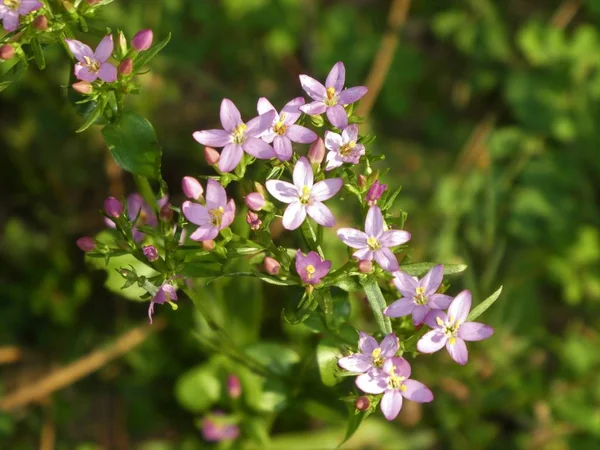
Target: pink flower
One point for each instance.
(140, 213)
(311, 267)
(418, 297)
(150, 252)
(191, 188)
(375, 242)
(215, 429)
(93, 65)
(394, 383)
(238, 137)
(343, 148)
(142, 40)
(167, 293)
(452, 330)
(212, 218)
(10, 10)
(331, 98)
(283, 130)
(372, 355)
(255, 201)
(375, 192)
(303, 197)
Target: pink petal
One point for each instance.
(386, 259)
(261, 123)
(84, 73)
(366, 343)
(358, 363)
(432, 280)
(313, 88)
(336, 77)
(315, 108)
(294, 215)
(350, 133)
(283, 148)
(439, 301)
(292, 111)
(10, 20)
(433, 316)
(391, 404)
(419, 314)
(230, 115)
(107, 73)
(230, 157)
(205, 233)
(333, 160)
(352, 237)
(79, 49)
(258, 148)
(300, 134)
(363, 254)
(431, 342)
(228, 215)
(371, 383)
(417, 392)
(104, 49)
(352, 94)
(282, 190)
(264, 106)
(303, 174)
(389, 345)
(458, 351)
(321, 269)
(27, 6)
(400, 308)
(321, 214)
(406, 284)
(400, 365)
(213, 138)
(195, 213)
(215, 194)
(324, 190)
(374, 222)
(393, 238)
(337, 116)
(474, 331)
(460, 307)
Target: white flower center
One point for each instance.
(239, 134)
(449, 328)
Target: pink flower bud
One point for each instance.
(272, 266)
(191, 188)
(375, 192)
(234, 387)
(93, 2)
(166, 213)
(208, 245)
(316, 152)
(7, 52)
(142, 40)
(41, 23)
(83, 87)
(113, 207)
(362, 403)
(362, 181)
(211, 155)
(365, 266)
(255, 201)
(150, 252)
(253, 220)
(87, 244)
(126, 66)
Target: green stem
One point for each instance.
(145, 189)
(377, 303)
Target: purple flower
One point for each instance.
(237, 137)
(331, 98)
(283, 130)
(212, 218)
(137, 208)
(150, 252)
(375, 192)
(418, 297)
(234, 387)
(113, 207)
(93, 65)
(343, 148)
(167, 293)
(375, 242)
(394, 382)
(253, 220)
(255, 201)
(304, 197)
(452, 330)
(215, 430)
(191, 188)
(142, 40)
(372, 355)
(311, 267)
(86, 243)
(10, 10)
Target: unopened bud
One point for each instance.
(41, 23)
(253, 220)
(113, 207)
(142, 40)
(260, 189)
(191, 188)
(126, 66)
(69, 7)
(234, 387)
(7, 52)
(87, 244)
(255, 201)
(365, 266)
(272, 266)
(211, 155)
(362, 181)
(362, 403)
(208, 245)
(122, 43)
(375, 192)
(150, 252)
(83, 87)
(316, 152)
(93, 2)
(166, 213)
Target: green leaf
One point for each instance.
(483, 306)
(328, 353)
(133, 144)
(389, 201)
(273, 280)
(257, 430)
(356, 419)
(13, 73)
(198, 389)
(93, 115)
(145, 57)
(420, 269)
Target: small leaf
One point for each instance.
(483, 306)
(328, 353)
(420, 269)
(356, 419)
(93, 115)
(389, 201)
(13, 73)
(38, 53)
(145, 57)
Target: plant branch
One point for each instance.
(377, 303)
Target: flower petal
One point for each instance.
(10, 20)
(374, 222)
(321, 214)
(283, 148)
(333, 160)
(195, 213)
(324, 190)
(460, 307)
(282, 190)
(294, 215)
(417, 392)
(321, 269)
(230, 115)
(400, 366)
(79, 49)
(337, 116)
(84, 73)
(333, 141)
(371, 382)
(474, 331)
(433, 316)
(263, 106)
(352, 94)
(303, 174)
(215, 194)
(261, 123)
(363, 254)
(386, 259)
(431, 341)
(213, 138)
(313, 88)
(439, 301)
(300, 134)
(432, 280)
(419, 314)
(230, 157)
(228, 215)
(400, 308)
(258, 148)
(104, 49)
(205, 233)
(314, 108)
(336, 77)
(350, 133)
(366, 343)
(393, 238)
(27, 6)
(406, 284)
(391, 404)
(389, 346)
(358, 363)
(292, 111)
(458, 350)
(352, 237)
(107, 73)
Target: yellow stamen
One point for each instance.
(305, 197)
(239, 134)
(217, 216)
(310, 270)
(420, 298)
(91, 64)
(347, 148)
(12, 4)
(377, 359)
(452, 340)
(439, 321)
(331, 98)
(373, 243)
(280, 128)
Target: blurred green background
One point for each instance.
(489, 119)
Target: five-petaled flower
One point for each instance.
(304, 197)
(393, 381)
(372, 355)
(10, 10)
(167, 293)
(418, 296)
(343, 148)
(451, 330)
(284, 130)
(374, 242)
(212, 218)
(311, 268)
(331, 97)
(238, 137)
(93, 65)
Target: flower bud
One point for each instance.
(166, 213)
(362, 181)
(260, 188)
(255, 201)
(93, 2)
(211, 155)
(87, 244)
(234, 387)
(208, 245)
(272, 266)
(69, 7)
(126, 66)
(41, 23)
(375, 192)
(113, 207)
(191, 188)
(316, 152)
(362, 403)
(7, 52)
(122, 43)
(150, 252)
(365, 266)
(83, 87)
(253, 220)
(142, 40)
